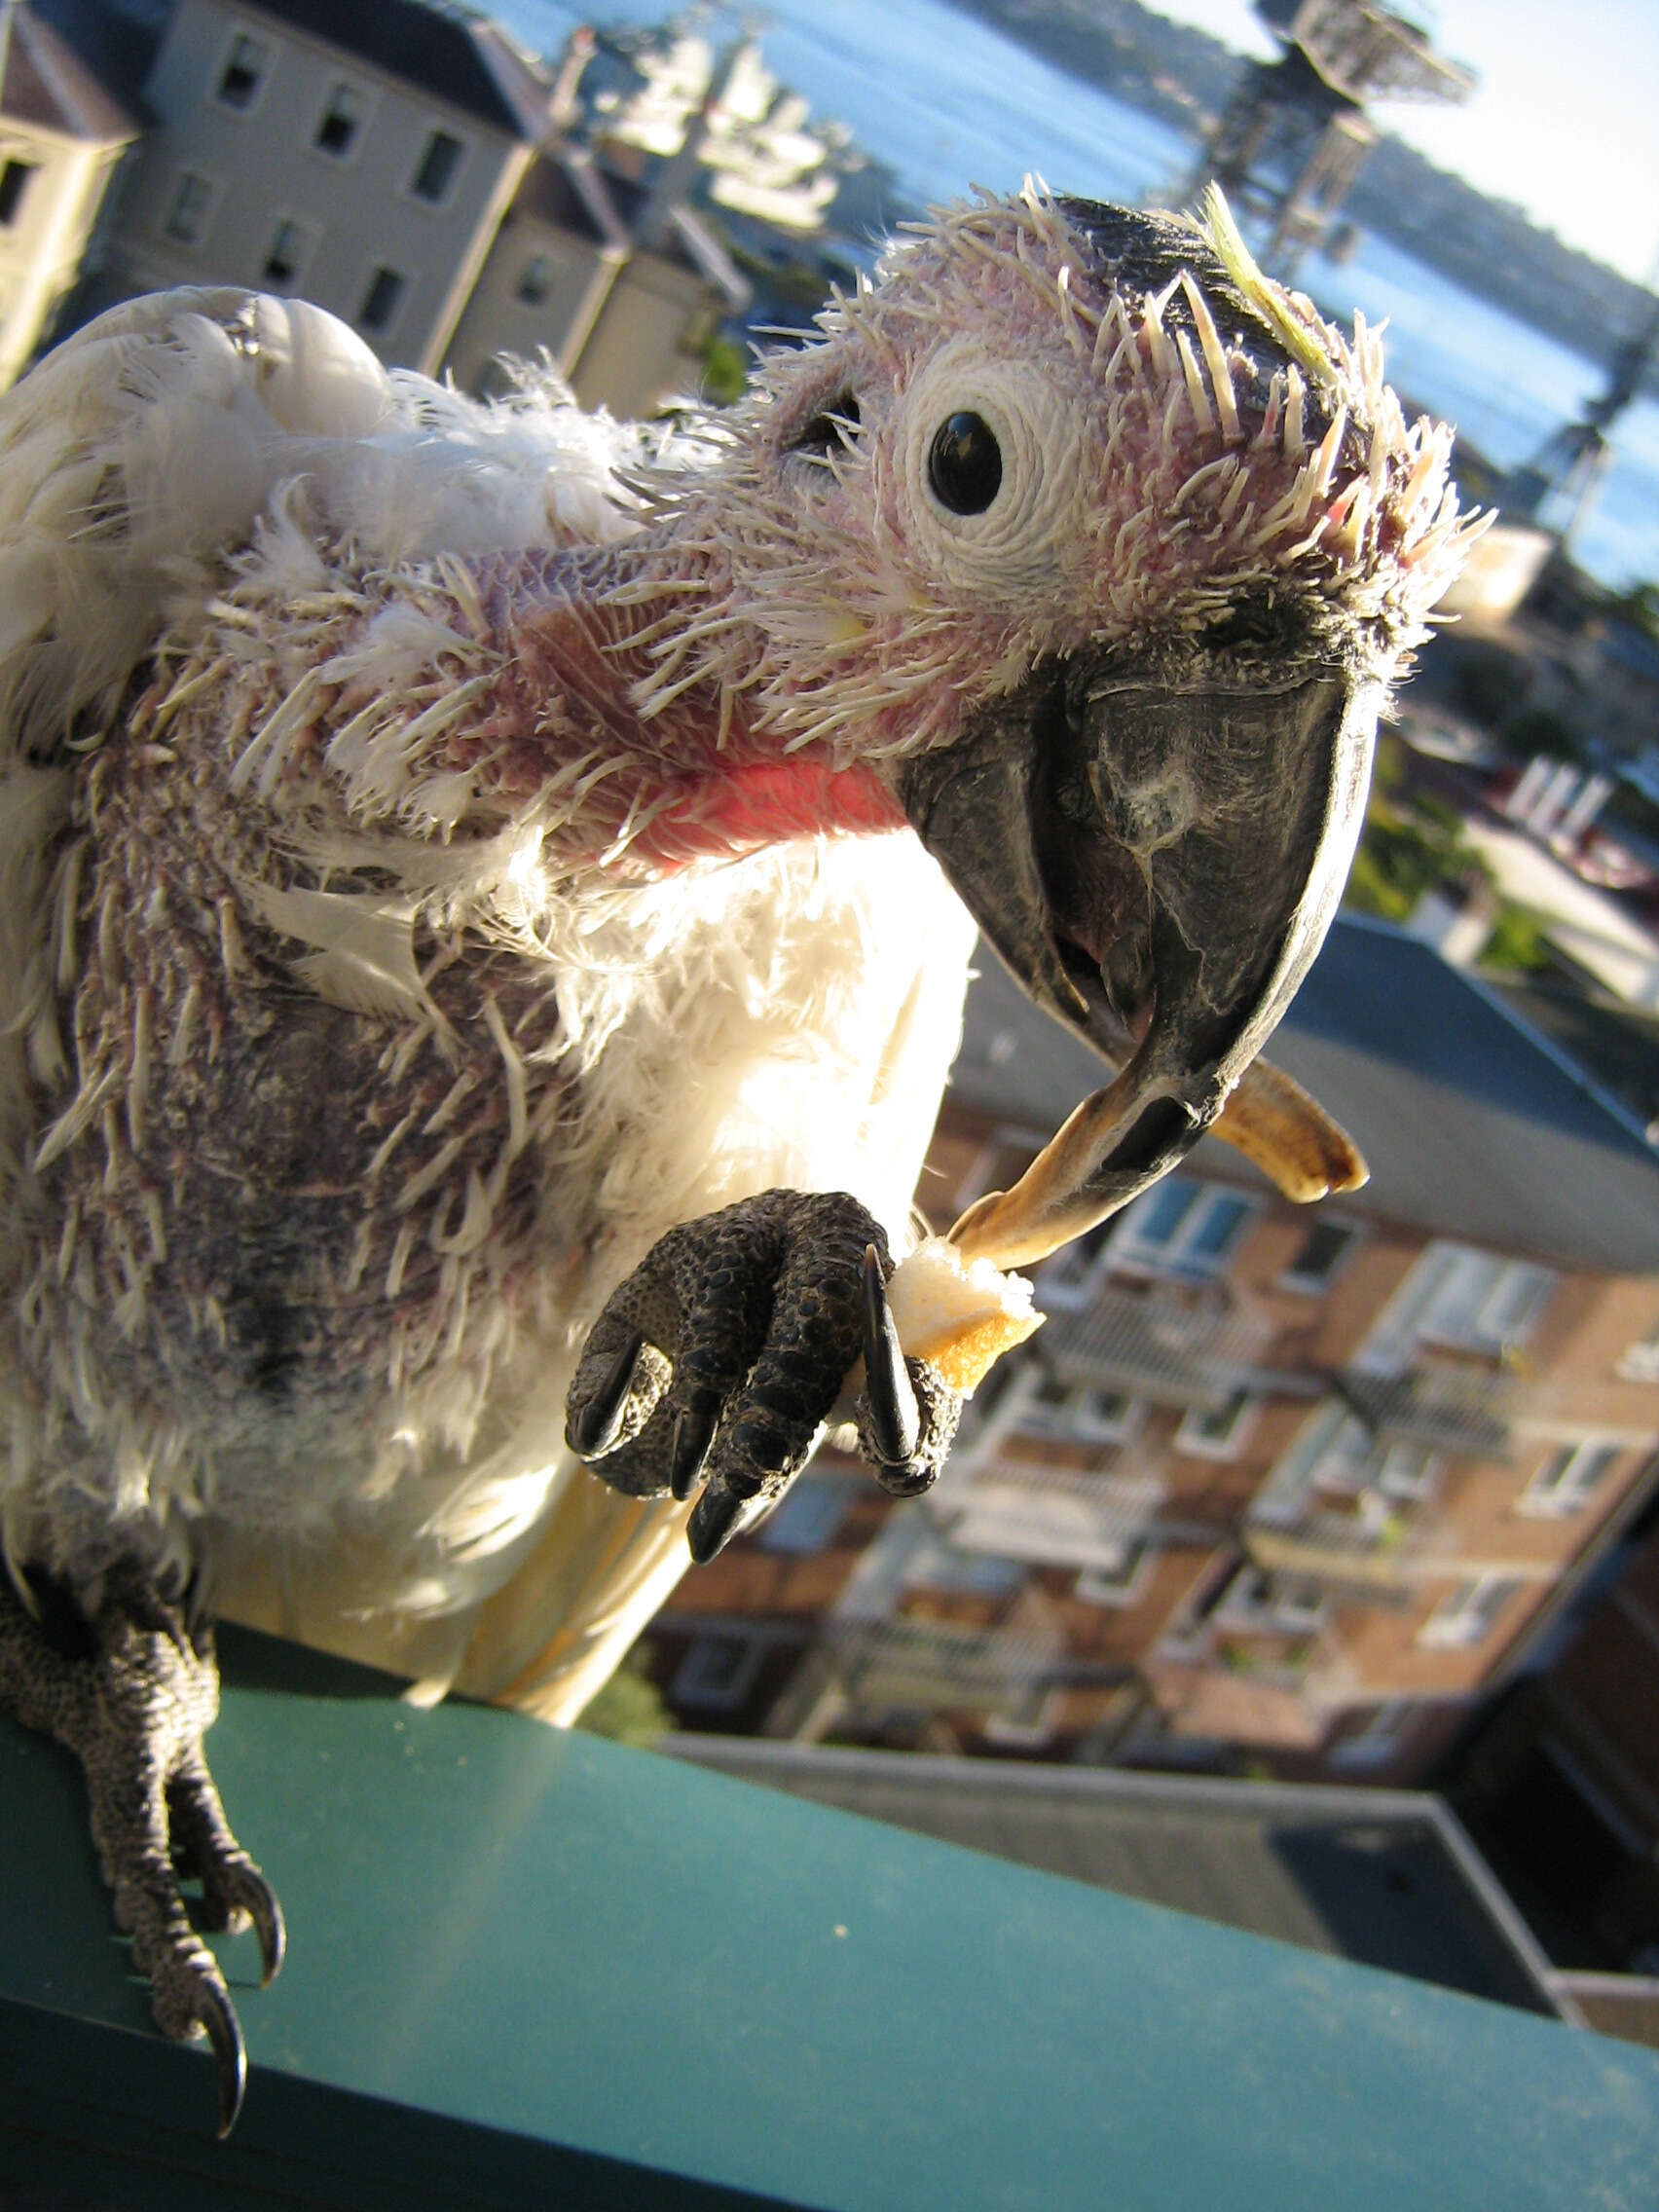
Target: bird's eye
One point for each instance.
(964, 465)
(831, 430)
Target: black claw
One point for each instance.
(713, 1520)
(218, 2016)
(907, 1482)
(693, 1435)
(895, 1420)
(592, 1430)
(269, 1927)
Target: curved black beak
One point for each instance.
(1158, 863)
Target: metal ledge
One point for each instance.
(530, 1969)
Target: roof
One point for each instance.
(446, 50)
(116, 45)
(566, 188)
(1475, 1127)
(47, 84)
(1618, 1045)
(1385, 1877)
(703, 251)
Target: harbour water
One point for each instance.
(947, 102)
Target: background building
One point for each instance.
(622, 298)
(359, 151)
(1279, 1490)
(401, 163)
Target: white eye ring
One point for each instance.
(1018, 541)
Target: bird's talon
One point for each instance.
(217, 2016)
(714, 1517)
(907, 1481)
(595, 1425)
(266, 1915)
(895, 1419)
(693, 1438)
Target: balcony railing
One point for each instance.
(1181, 1348)
(528, 1968)
(1376, 1558)
(1465, 1410)
(1050, 1515)
(941, 1666)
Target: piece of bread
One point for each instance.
(959, 1317)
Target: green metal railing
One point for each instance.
(532, 1970)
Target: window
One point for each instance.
(1407, 1473)
(1323, 1250)
(440, 164)
(1376, 1737)
(1640, 1364)
(382, 300)
(1180, 1227)
(1467, 1616)
(1339, 1453)
(1106, 1416)
(1461, 1298)
(1217, 1432)
(941, 1565)
(718, 1672)
(1069, 1279)
(187, 217)
(342, 119)
(1046, 1404)
(289, 242)
(535, 281)
(1053, 1408)
(1291, 1605)
(806, 1520)
(13, 184)
(1487, 1304)
(1346, 1459)
(1121, 1583)
(244, 72)
(1567, 1478)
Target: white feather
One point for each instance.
(363, 948)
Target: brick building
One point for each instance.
(1273, 1488)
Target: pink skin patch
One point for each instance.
(766, 801)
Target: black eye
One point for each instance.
(831, 429)
(964, 465)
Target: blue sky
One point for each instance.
(1564, 120)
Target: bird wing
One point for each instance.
(136, 461)
(151, 446)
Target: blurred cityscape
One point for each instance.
(1363, 1497)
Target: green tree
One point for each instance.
(629, 1710)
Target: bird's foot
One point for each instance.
(131, 1685)
(720, 1359)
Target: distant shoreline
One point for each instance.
(1185, 78)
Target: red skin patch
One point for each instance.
(763, 802)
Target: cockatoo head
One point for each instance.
(1102, 551)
